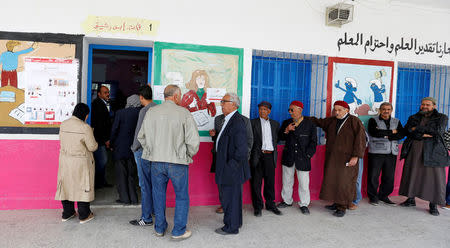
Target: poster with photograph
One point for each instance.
(204, 74)
(363, 84)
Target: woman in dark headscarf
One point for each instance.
(76, 165)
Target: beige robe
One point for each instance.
(76, 162)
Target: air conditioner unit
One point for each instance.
(339, 14)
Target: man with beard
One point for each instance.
(346, 142)
(425, 157)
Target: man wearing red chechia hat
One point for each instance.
(300, 135)
(346, 143)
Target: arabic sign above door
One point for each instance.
(123, 25)
(372, 44)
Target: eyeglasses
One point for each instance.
(290, 110)
(224, 101)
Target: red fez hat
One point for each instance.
(297, 103)
(342, 104)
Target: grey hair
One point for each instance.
(171, 90)
(386, 104)
(432, 99)
(234, 98)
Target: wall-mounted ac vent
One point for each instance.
(339, 14)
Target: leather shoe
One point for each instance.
(222, 232)
(352, 206)
(339, 213)
(257, 212)
(304, 210)
(274, 210)
(332, 207)
(433, 209)
(219, 210)
(121, 202)
(410, 202)
(387, 201)
(283, 205)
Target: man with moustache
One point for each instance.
(263, 159)
(232, 168)
(425, 157)
(300, 135)
(346, 143)
(384, 133)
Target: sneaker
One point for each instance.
(68, 218)
(352, 206)
(447, 206)
(141, 222)
(304, 210)
(184, 236)
(89, 218)
(374, 202)
(157, 234)
(284, 205)
(387, 201)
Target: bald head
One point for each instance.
(173, 93)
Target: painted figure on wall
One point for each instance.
(378, 89)
(350, 97)
(195, 99)
(9, 61)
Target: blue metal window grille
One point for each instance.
(281, 77)
(416, 81)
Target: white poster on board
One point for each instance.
(51, 89)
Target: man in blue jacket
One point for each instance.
(232, 168)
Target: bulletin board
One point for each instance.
(40, 80)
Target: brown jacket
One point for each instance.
(339, 181)
(76, 162)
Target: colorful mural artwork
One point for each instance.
(34, 77)
(363, 84)
(204, 73)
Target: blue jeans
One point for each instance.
(179, 175)
(359, 181)
(447, 194)
(145, 182)
(101, 158)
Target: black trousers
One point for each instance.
(384, 164)
(264, 170)
(231, 200)
(69, 209)
(125, 178)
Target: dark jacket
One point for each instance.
(300, 144)
(218, 123)
(122, 133)
(232, 153)
(258, 140)
(100, 121)
(434, 152)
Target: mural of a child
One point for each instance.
(10, 59)
(195, 98)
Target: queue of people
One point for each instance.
(162, 139)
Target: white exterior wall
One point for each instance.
(284, 25)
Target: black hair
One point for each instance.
(81, 110)
(146, 92)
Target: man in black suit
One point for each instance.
(101, 122)
(232, 168)
(263, 159)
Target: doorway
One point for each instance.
(123, 69)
